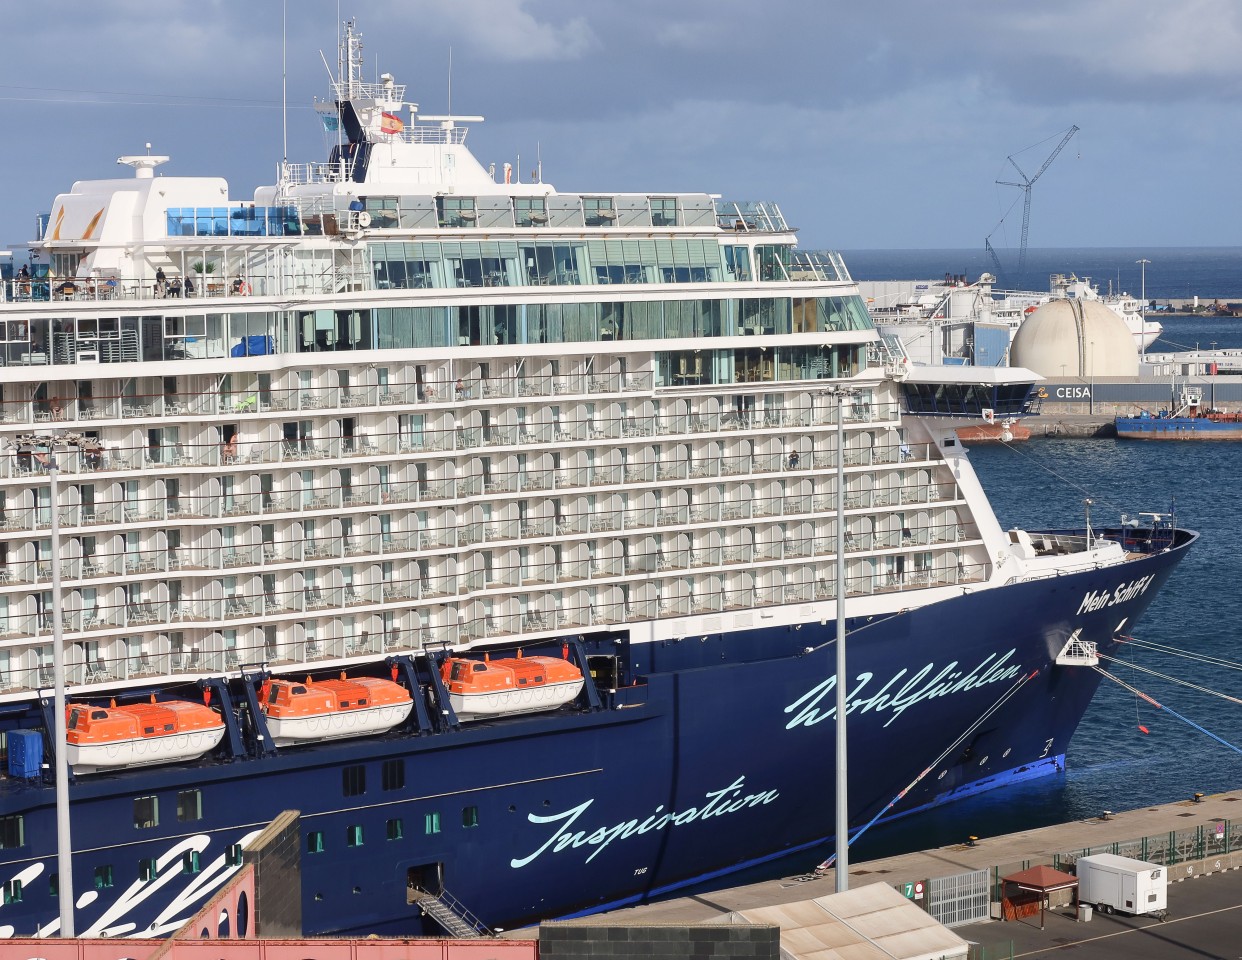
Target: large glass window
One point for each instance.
(664, 211)
(456, 211)
(530, 211)
(598, 211)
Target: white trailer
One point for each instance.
(1123, 884)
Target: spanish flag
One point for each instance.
(390, 123)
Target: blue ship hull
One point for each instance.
(705, 755)
(1178, 428)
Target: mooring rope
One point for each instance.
(1160, 706)
(1176, 652)
(935, 763)
(1165, 676)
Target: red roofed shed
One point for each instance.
(1026, 892)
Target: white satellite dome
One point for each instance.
(1075, 338)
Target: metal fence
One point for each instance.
(962, 898)
(1203, 842)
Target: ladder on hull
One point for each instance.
(448, 912)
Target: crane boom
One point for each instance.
(1025, 187)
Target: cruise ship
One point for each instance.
(494, 530)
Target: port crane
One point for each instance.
(1025, 187)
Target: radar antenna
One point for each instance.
(1025, 187)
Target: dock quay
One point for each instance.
(1195, 838)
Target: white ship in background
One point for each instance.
(953, 321)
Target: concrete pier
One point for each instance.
(1013, 851)
(1070, 425)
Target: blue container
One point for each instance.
(25, 754)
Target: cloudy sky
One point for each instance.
(879, 124)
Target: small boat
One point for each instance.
(1189, 422)
(139, 734)
(308, 711)
(479, 689)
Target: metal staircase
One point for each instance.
(1078, 652)
(449, 913)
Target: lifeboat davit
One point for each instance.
(312, 710)
(139, 734)
(479, 689)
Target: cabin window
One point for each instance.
(146, 869)
(12, 832)
(74, 717)
(53, 885)
(190, 862)
(354, 781)
(470, 816)
(233, 856)
(433, 823)
(394, 829)
(189, 805)
(353, 835)
(146, 812)
(13, 891)
(314, 841)
(103, 877)
(393, 774)
(480, 667)
(99, 714)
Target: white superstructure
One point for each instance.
(410, 403)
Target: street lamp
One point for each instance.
(64, 847)
(1143, 299)
(842, 779)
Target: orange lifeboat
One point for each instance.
(139, 734)
(312, 710)
(479, 689)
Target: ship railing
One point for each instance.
(322, 548)
(536, 527)
(638, 473)
(605, 567)
(773, 550)
(434, 539)
(601, 475)
(360, 546)
(748, 216)
(638, 427)
(678, 470)
(570, 570)
(733, 466)
(571, 477)
(535, 480)
(569, 523)
(500, 530)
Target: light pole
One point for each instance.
(843, 794)
(1143, 299)
(64, 847)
